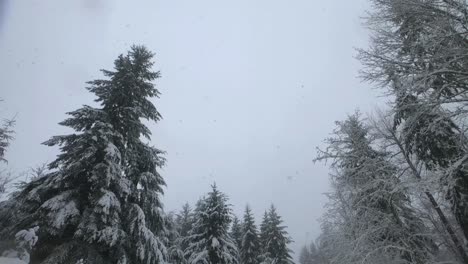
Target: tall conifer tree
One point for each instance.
(101, 203)
(209, 240)
(236, 231)
(184, 224)
(277, 239)
(250, 246)
(372, 206)
(263, 236)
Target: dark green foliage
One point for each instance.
(428, 133)
(236, 231)
(6, 135)
(250, 245)
(103, 192)
(274, 239)
(263, 236)
(435, 139)
(278, 239)
(173, 241)
(185, 223)
(209, 241)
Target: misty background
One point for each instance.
(249, 89)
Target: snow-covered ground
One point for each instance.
(4, 260)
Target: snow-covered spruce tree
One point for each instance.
(276, 240)
(371, 208)
(101, 203)
(184, 224)
(250, 250)
(6, 135)
(263, 238)
(209, 240)
(418, 55)
(236, 231)
(185, 220)
(173, 240)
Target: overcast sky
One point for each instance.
(249, 89)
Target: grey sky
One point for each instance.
(249, 88)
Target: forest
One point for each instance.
(398, 175)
